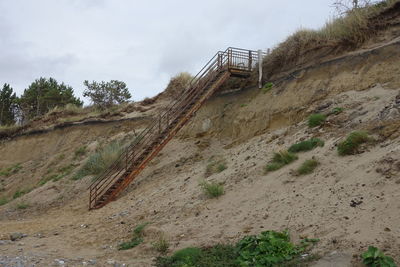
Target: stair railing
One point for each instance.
(230, 59)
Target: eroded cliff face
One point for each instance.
(249, 112)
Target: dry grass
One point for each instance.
(341, 33)
(178, 83)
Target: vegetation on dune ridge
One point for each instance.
(345, 32)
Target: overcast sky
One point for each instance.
(142, 43)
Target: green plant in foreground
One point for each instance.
(351, 144)
(269, 248)
(306, 145)
(373, 257)
(137, 238)
(216, 256)
(279, 160)
(307, 167)
(315, 120)
(212, 189)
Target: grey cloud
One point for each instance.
(142, 43)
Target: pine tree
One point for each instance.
(8, 101)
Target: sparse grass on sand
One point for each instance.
(100, 161)
(137, 238)
(352, 143)
(306, 145)
(279, 160)
(307, 167)
(212, 189)
(315, 120)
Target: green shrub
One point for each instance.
(306, 145)
(269, 248)
(136, 240)
(353, 141)
(100, 161)
(3, 201)
(375, 258)
(307, 167)
(315, 120)
(279, 160)
(212, 189)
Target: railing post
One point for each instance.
(250, 60)
(229, 58)
(260, 74)
(219, 60)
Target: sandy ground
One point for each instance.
(167, 194)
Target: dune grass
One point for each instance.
(340, 33)
(101, 160)
(306, 145)
(212, 189)
(352, 143)
(279, 160)
(307, 167)
(315, 120)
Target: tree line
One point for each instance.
(43, 94)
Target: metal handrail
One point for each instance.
(231, 58)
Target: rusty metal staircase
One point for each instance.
(232, 62)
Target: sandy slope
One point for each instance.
(167, 195)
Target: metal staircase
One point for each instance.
(232, 62)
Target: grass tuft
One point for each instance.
(307, 167)
(215, 166)
(161, 245)
(137, 238)
(306, 145)
(212, 189)
(100, 161)
(279, 160)
(315, 120)
(3, 201)
(352, 143)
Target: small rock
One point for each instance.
(16, 236)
